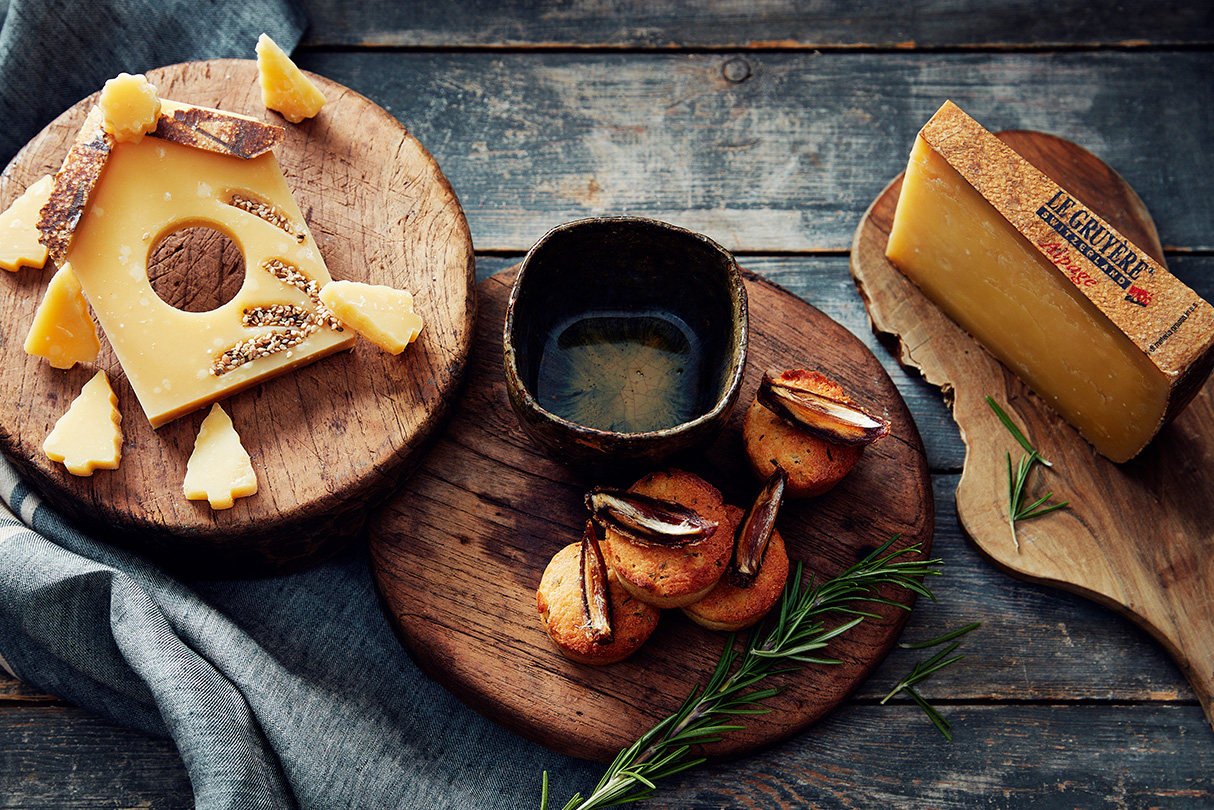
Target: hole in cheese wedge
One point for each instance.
(1114, 343)
(196, 269)
(89, 435)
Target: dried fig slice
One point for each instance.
(836, 420)
(596, 599)
(647, 520)
(754, 532)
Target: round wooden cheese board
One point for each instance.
(458, 552)
(1136, 536)
(328, 440)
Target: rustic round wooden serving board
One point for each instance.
(328, 440)
(1139, 536)
(458, 552)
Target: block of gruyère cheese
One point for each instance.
(63, 331)
(219, 470)
(19, 244)
(383, 315)
(113, 202)
(1105, 335)
(88, 436)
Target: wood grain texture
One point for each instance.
(1138, 535)
(458, 552)
(754, 24)
(787, 159)
(327, 440)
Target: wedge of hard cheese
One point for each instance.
(1099, 330)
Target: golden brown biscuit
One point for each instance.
(559, 601)
(728, 607)
(673, 577)
(813, 464)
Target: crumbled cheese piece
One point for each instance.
(383, 315)
(63, 330)
(219, 469)
(284, 87)
(89, 436)
(130, 106)
(19, 245)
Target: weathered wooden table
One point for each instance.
(771, 126)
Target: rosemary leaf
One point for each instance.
(781, 645)
(923, 669)
(1017, 480)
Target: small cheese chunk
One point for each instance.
(19, 234)
(284, 87)
(63, 330)
(383, 315)
(89, 436)
(219, 469)
(1100, 331)
(130, 106)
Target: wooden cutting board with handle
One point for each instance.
(328, 440)
(1139, 536)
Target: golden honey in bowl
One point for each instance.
(622, 371)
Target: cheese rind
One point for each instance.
(88, 436)
(383, 315)
(63, 330)
(284, 87)
(1098, 329)
(219, 469)
(19, 234)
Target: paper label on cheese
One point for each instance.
(88, 436)
(1158, 312)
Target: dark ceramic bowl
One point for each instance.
(625, 342)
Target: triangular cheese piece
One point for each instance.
(63, 331)
(383, 315)
(89, 436)
(179, 361)
(219, 469)
(19, 245)
(284, 87)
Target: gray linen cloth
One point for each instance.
(280, 692)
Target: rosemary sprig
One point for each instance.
(922, 669)
(789, 641)
(1017, 479)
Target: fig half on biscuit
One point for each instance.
(804, 422)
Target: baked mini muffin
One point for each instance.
(813, 462)
(560, 603)
(672, 577)
(729, 607)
